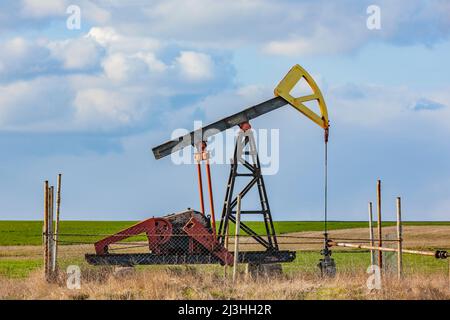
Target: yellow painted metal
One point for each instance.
(285, 87)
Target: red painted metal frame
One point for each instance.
(208, 240)
(211, 199)
(200, 187)
(203, 155)
(158, 230)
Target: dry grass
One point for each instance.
(188, 283)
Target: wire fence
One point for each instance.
(305, 248)
(159, 252)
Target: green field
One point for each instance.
(19, 268)
(30, 232)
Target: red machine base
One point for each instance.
(187, 233)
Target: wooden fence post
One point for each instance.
(379, 225)
(55, 236)
(50, 233)
(372, 243)
(45, 230)
(225, 270)
(236, 237)
(399, 239)
(448, 274)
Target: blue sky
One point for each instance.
(91, 103)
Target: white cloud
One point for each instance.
(76, 54)
(341, 27)
(34, 105)
(323, 39)
(91, 11)
(116, 67)
(103, 108)
(104, 36)
(43, 8)
(289, 47)
(387, 108)
(368, 105)
(120, 67)
(16, 46)
(195, 65)
(152, 62)
(38, 57)
(100, 81)
(224, 103)
(23, 58)
(285, 27)
(211, 21)
(439, 117)
(127, 57)
(109, 38)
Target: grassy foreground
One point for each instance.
(183, 282)
(21, 275)
(30, 232)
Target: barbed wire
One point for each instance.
(230, 236)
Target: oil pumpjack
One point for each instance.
(192, 237)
